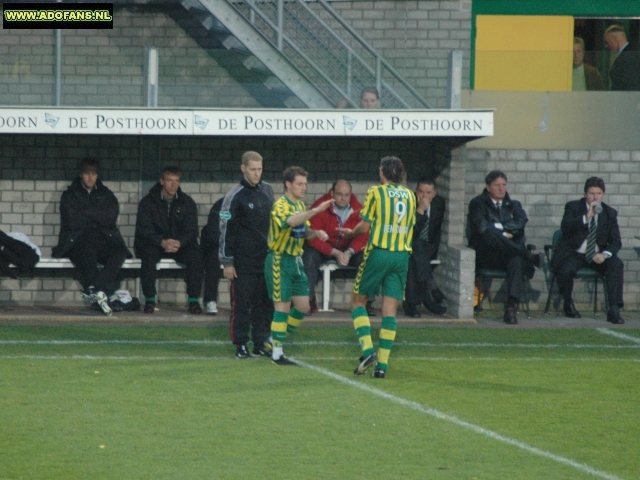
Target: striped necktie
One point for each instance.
(424, 234)
(591, 240)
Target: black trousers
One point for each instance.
(312, 259)
(191, 256)
(495, 251)
(212, 273)
(612, 269)
(251, 309)
(94, 248)
(418, 274)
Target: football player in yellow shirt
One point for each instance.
(284, 271)
(389, 215)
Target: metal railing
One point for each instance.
(328, 52)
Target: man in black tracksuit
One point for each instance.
(167, 227)
(89, 234)
(210, 244)
(244, 228)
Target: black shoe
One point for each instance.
(150, 307)
(614, 316)
(435, 308)
(570, 310)
(194, 308)
(116, 306)
(510, 316)
(410, 310)
(313, 305)
(437, 296)
(478, 308)
(365, 363)
(378, 373)
(535, 259)
(371, 311)
(283, 361)
(263, 350)
(242, 352)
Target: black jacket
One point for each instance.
(210, 234)
(625, 71)
(158, 220)
(81, 211)
(244, 226)
(575, 231)
(15, 252)
(435, 229)
(483, 215)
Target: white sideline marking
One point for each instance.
(613, 333)
(109, 357)
(337, 344)
(461, 423)
(323, 359)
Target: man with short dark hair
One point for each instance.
(167, 227)
(590, 238)
(89, 234)
(244, 228)
(495, 226)
(421, 286)
(345, 212)
(286, 280)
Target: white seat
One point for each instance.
(331, 266)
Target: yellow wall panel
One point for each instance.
(523, 52)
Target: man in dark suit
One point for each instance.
(495, 227)
(421, 287)
(590, 238)
(625, 71)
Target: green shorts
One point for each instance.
(382, 270)
(285, 277)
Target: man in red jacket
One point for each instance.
(344, 213)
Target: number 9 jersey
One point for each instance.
(391, 211)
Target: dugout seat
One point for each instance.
(583, 274)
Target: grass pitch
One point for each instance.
(458, 403)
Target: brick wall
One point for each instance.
(35, 170)
(544, 180)
(106, 67)
(416, 37)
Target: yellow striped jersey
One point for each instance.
(391, 211)
(282, 237)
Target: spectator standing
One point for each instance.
(625, 71)
(370, 98)
(89, 234)
(167, 227)
(244, 229)
(585, 77)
